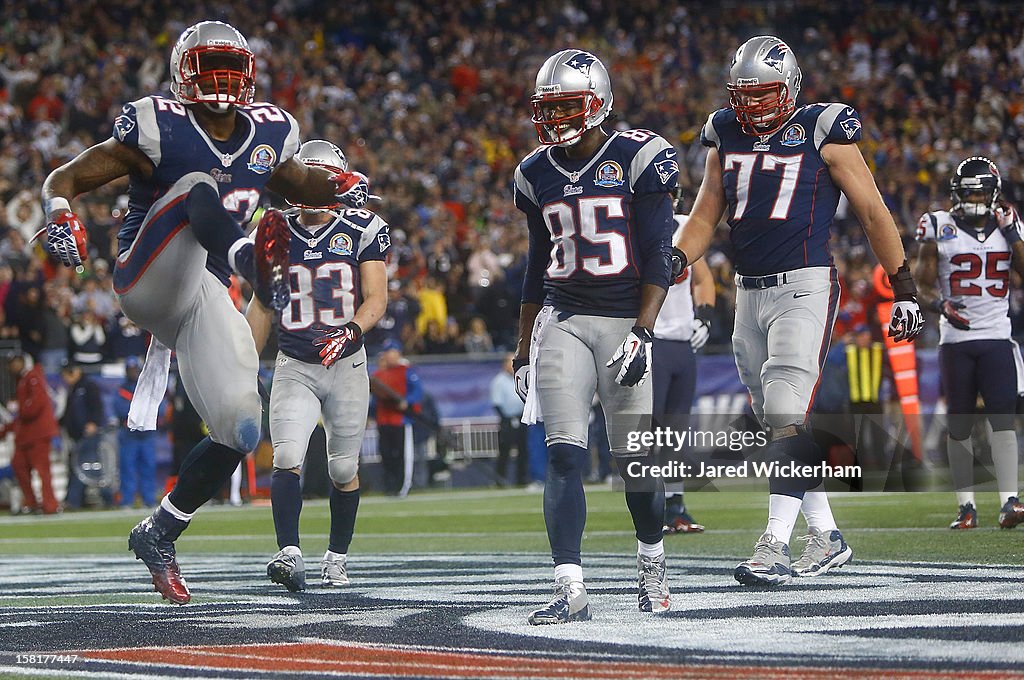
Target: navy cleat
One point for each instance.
(569, 604)
(769, 565)
(824, 551)
(288, 569)
(967, 517)
(152, 541)
(1012, 513)
(652, 584)
(682, 523)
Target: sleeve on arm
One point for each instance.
(538, 258)
(927, 228)
(652, 215)
(708, 133)
(137, 127)
(838, 124)
(375, 241)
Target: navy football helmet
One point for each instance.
(974, 188)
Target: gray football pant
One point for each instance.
(303, 394)
(571, 368)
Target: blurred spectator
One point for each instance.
(396, 391)
(477, 339)
(34, 427)
(84, 416)
(136, 448)
(433, 306)
(511, 432)
(25, 213)
(87, 338)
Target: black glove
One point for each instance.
(951, 310)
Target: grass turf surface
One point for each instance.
(890, 526)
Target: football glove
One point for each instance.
(635, 354)
(678, 266)
(701, 326)
(521, 369)
(906, 319)
(339, 343)
(1009, 222)
(66, 239)
(951, 310)
(353, 189)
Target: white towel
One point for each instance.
(531, 410)
(150, 390)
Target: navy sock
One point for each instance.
(344, 505)
(648, 511)
(286, 505)
(211, 224)
(673, 507)
(205, 470)
(565, 506)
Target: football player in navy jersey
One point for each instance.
(339, 290)
(775, 171)
(968, 251)
(599, 213)
(197, 164)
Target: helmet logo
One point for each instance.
(581, 61)
(776, 55)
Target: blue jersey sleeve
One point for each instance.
(837, 124)
(709, 133)
(375, 240)
(540, 241)
(652, 215)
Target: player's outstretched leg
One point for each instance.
(287, 567)
(565, 514)
(152, 541)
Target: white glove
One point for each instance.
(635, 352)
(906, 320)
(701, 326)
(521, 369)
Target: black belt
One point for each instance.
(757, 282)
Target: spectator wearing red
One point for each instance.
(34, 427)
(397, 394)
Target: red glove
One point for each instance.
(339, 343)
(66, 238)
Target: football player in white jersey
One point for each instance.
(968, 251)
(339, 290)
(682, 329)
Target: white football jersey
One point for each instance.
(974, 269)
(675, 320)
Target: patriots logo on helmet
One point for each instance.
(581, 61)
(850, 127)
(122, 126)
(776, 55)
(666, 169)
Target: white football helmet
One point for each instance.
(322, 154)
(764, 82)
(212, 64)
(573, 94)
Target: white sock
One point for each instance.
(817, 510)
(330, 556)
(169, 507)
(782, 513)
(236, 486)
(1004, 459)
(573, 571)
(673, 489)
(961, 468)
(291, 550)
(650, 549)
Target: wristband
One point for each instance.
(704, 313)
(902, 282)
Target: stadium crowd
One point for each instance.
(431, 101)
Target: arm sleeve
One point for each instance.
(652, 213)
(927, 228)
(137, 127)
(838, 124)
(537, 260)
(375, 241)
